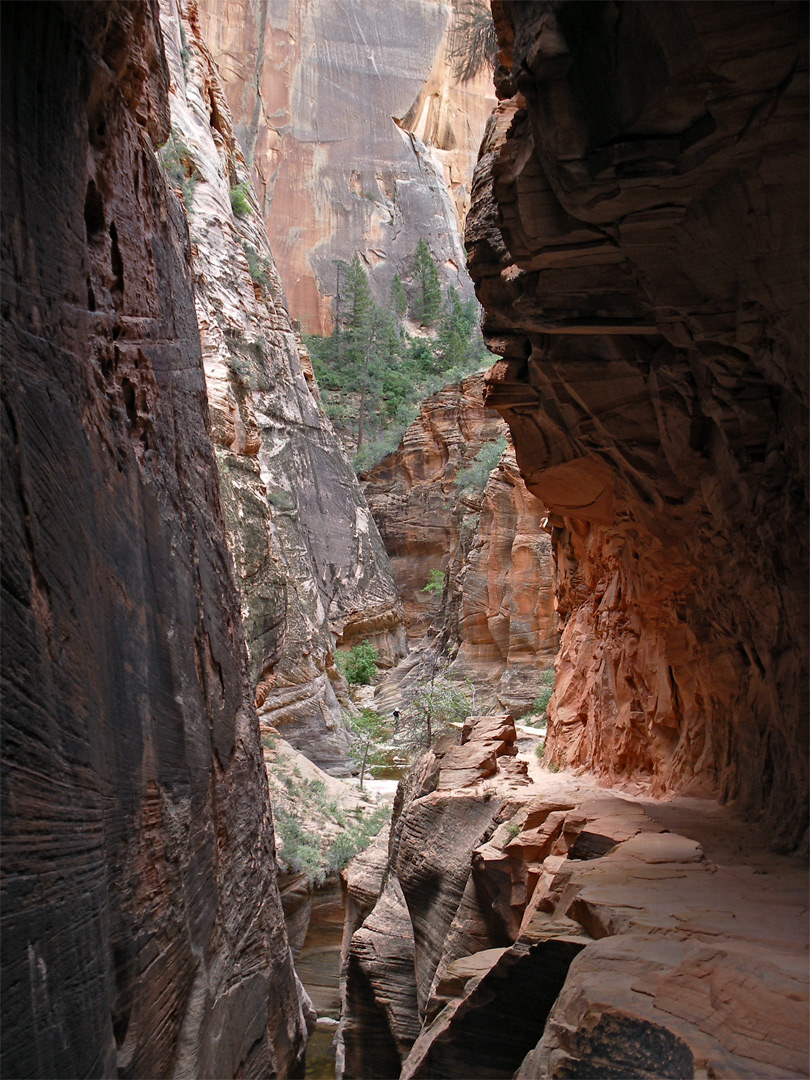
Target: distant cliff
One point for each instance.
(441, 512)
(359, 136)
(311, 566)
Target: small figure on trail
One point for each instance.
(396, 720)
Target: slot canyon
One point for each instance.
(405, 581)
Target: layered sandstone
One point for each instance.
(495, 616)
(142, 929)
(639, 241)
(552, 928)
(358, 134)
(311, 565)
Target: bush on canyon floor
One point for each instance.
(430, 708)
(369, 729)
(540, 705)
(359, 664)
(356, 838)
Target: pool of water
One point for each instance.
(318, 968)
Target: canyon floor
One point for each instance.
(662, 937)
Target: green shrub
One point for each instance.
(176, 159)
(435, 582)
(474, 477)
(513, 828)
(541, 703)
(239, 200)
(360, 665)
(256, 264)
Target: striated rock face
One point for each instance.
(311, 565)
(358, 136)
(142, 928)
(638, 238)
(501, 604)
(496, 615)
(414, 497)
(552, 928)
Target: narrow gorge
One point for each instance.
(329, 594)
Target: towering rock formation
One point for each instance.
(639, 241)
(358, 134)
(142, 928)
(495, 616)
(309, 559)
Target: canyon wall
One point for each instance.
(142, 928)
(359, 136)
(494, 617)
(310, 563)
(638, 238)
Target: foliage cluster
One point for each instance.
(175, 156)
(541, 703)
(474, 43)
(239, 200)
(369, 728)
(359, 665)
(373, 372)
(435, 582)
(474, 477)
(430, 707)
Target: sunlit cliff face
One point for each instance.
(638, 240)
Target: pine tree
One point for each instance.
(399, 299)
(429, 299)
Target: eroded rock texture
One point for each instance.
(142, 929)
(358, 135)
(310, 562)
(554, 928)
(495, 617)
(639, 241)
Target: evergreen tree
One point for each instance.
(399, 299)
(429, 299)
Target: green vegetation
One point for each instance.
(430, 707)
(239, 200)
(541, 703)
(258, 266)
(513, 828)
(429, 290)
(176, 159)
(313, 836)
(474, 477)
(373, 373)
(369, 729)
(435, 582)
(359, 664)
(474, 43)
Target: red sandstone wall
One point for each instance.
(638, 238)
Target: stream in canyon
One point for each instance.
(318, 967)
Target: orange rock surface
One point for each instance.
(638, 239)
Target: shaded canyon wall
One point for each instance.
(638, 239)
(358, 135)
(311, 566)
(142, 929)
